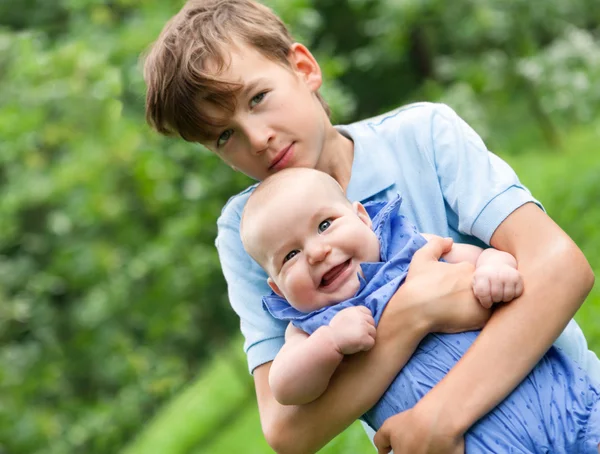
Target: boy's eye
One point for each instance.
(257, 99)
(324, 225)
(224, 137)
(290, 255)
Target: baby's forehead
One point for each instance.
(289, 198)
(307, 203)
(281, 215)
(272, 217)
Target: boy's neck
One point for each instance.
(337, 157)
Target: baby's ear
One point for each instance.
(361, 212)
(274, 287)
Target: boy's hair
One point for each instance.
(175, 68)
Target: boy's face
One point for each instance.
(312, 245)
(278, 121)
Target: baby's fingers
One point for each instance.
(368, 343)
(513, 285)
(509, 292)
(364, 310)
(371, 330)
(366, 315)
(519, 287)
(482, 291)
(497, 290)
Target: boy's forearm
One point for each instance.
(307, 428)
(558, 278)
(301, 371)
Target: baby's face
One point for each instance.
(313, 246)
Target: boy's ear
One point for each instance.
(306, 66)
(274, 287)
(361, 212)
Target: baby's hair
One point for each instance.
(175, 68)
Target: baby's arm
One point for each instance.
(495, 279)
(303, 367)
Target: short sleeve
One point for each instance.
(246, 285)
(477, 185)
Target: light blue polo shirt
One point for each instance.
(451, 185)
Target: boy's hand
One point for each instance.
(498, 283)
(417, 431)
(440, 294)
(353, 330)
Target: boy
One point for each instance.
(227, 74)
(327, 265)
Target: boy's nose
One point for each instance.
(259, 137)
(317, 253)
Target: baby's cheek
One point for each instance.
(303, 291)
(371, 249)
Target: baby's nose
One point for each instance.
(318, 253)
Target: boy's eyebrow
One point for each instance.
(252, 85)
(213, 131)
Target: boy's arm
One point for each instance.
(435, 297)
(558, 278)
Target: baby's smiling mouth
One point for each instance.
(330, 276)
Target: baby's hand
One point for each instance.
(496, 284)
(353, 330)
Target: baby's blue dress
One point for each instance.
(553, 410)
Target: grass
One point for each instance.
(217, 413)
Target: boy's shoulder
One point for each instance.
(231, 213)
(412, 128)
(410, 116)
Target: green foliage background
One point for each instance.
(112, 301)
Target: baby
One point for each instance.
(333, 266)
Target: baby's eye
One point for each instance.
(290, 255)
(257, 99)
(324, 225)
(224, 137)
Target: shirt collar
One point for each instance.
(370, 175)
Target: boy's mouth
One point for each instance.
(330, 276)
(282, 158)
